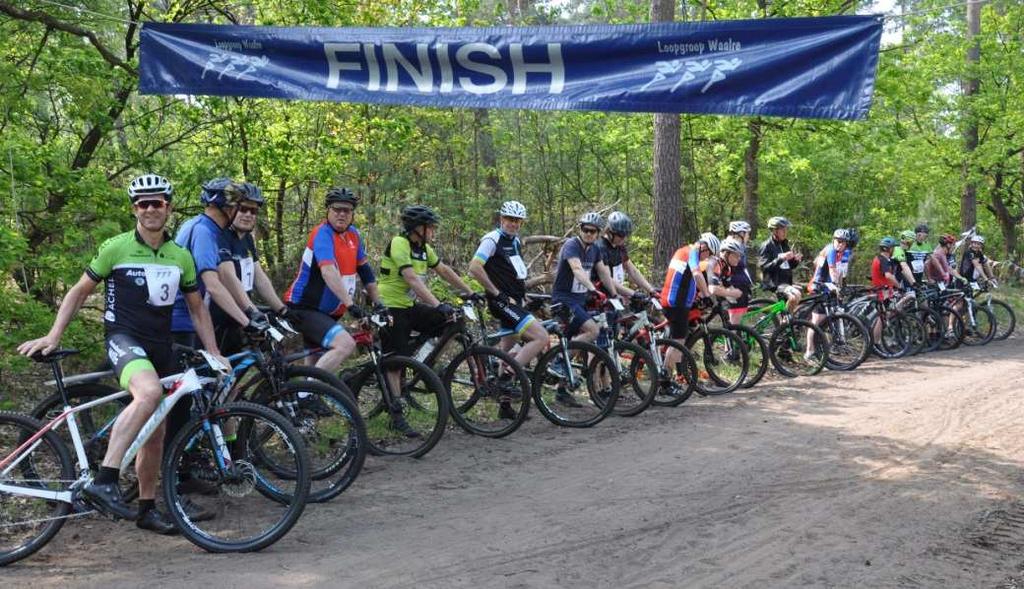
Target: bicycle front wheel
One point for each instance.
(677, 381)
(261, 484)
(1006, 321)
(410, 418)
(639, 377)
(794, 351)
(757, 353)
(722, 360)
(27, 523)
(981, 329)
(580, 393)
(849, 341)
(490, 391)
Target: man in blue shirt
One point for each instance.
(579, 258)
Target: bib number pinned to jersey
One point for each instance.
(917, 266)
(247, 268)
(619, 273)
(162, 283)
(784, 265)
(348, 282)
(519, 265)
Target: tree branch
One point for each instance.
(165, 145)
(55, 23)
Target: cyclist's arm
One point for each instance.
(204, 326)
(73, 301)
(266, 289)
(605, 277)
(581, 275)
(422, 292)
(222, 296)
(477, 271)
(451, 277)
(905, 268)
(332, 278)
(702, 284)
(635, 275)
(227, 276)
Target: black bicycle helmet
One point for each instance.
(339, 194)
(415, 215)
(619, 222)
(238, 192)
(213, 192)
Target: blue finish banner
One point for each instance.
(799, 67)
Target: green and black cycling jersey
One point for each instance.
(141, 284)
(399, 255)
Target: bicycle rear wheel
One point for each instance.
(28, 523)
(587, 397)
(490, 391)
(639, 378)
(953, 322)
(260, 493)
(757, 353)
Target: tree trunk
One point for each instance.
(1007, 221)
(751, 179)
(282, 187)
(488, 157)
(969, 198)
(668, 196)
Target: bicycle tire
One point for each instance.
(934, 328)
(15, 429)
(476, 399)
(757, 354)
(983, 331)
(336, 441)
(195, 437)
(725, 372)
(786, 345)
(587, 416)
(843, 330)
(953, 336)
(1006, 320)
(433, 413)
(674, 388)
(639, 381)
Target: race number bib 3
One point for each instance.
(519, 265)
(162, 283)
(247, 269)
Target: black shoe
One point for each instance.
(400, 425)
(565, 398)
(195, 511)
(508, 389)
(107, 498)
(505, 411)
(315, 405)
(154, 520)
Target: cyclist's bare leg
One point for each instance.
(792, 300)
(341, 348)
(588, 332)
(536, 340)
(147, 463)
(816, 318)
(146, 392)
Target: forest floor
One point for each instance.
(907, 473)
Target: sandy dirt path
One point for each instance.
(901, 474)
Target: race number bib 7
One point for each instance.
(519, 265)
(247, 268)
(162, 283)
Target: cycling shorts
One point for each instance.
(678, 322)
(512, 316)
(425, 319)
(318, 329)
(578, 311)
(130, 355)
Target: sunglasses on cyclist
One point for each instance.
(339, 209)
(588, 230)
(150, 204)
(248, 210)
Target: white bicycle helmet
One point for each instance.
(711, 241)
(149, 185)
(977, 239)
(739, 227)
(776, 222)
(512, 208)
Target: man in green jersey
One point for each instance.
(919, 252)
(403, 289)
(905, 275)
(143, 270)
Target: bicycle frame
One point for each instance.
(181, 384)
